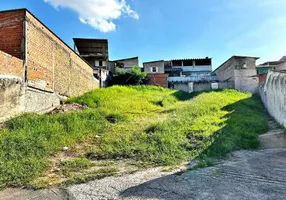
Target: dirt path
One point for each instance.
(247, 175)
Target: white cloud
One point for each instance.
(97, 13)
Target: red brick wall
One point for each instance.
(50, 62)
(158, 79)
(11, 32)
(10, 65)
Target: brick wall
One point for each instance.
(10, 65)
(11, 32)
(157, 79)
(49, 59)
(50, 63)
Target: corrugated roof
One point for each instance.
(283, 58)
(88, 46)
(125, 59)
(189, 59)
(154, 61)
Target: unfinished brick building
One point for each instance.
(41, 60)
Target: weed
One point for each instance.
(202, 164)
(90, 175)
(126, 122)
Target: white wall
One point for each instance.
(195, 68)
(273, 95)
(159, 65)
(191, 78)
(246, 80)
(281, 66)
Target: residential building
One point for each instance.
(239, 72)
(180, 70)
(263, 69)
(123, 64)
(189, 70)
(94, 51)
(156, 73)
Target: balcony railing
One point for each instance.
(192, 78)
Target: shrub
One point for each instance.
(131, 77)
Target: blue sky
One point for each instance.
(169, 29)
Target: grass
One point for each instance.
(144, 123)
(202, 164)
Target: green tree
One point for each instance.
(130, 77)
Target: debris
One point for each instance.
(65, 148)
(66, 108)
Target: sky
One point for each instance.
(169, 29)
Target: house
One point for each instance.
(179, 71)
(156, 73)
(263, 69)
(189, 70)
(124, 64)
(239, 72)
(95, 52)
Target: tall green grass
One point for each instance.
(151, 124)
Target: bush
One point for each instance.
(131, 77)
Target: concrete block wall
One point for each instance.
(37, 67)
(12, 96)
(273, 95)
(246, 80)
(50, 63)
(201, 86)
(51, 60)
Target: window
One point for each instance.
(100, 63)
(153, 69)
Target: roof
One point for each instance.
(235, 57)
(25, 9)
(283, 58)
(125, 59)
(91, 46)
(154, 61)
(271, 63)
(186, 59)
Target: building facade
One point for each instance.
(265, 68)
(125, 64)
(156, 73)
(239, 71)
(189, 70)
(48, 61)
(94, 51)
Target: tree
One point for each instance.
(130, 77)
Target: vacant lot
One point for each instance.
(123, 129)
